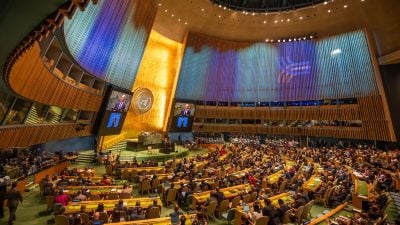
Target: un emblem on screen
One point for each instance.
(143, 99)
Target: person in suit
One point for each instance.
(184, 116)
(13, 197)
(120, 106)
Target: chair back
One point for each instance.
(246, 198)
(153, 212)
(124, 195)
(84, 218)
(235, 202)
(155, 183)
(109, 170)
(299, 213)
(61, 220)
(282, 187)
(253, 196)
(307, 209)
(231, 214)
(145, 185)
(126, 175)
(94, 197)
(171, 195)
(212, 206)
(286, 216)
(112, 196)
(262, 220)
(327, 195)
(223, 206)
(103, 217)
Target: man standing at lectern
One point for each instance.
(184, 116)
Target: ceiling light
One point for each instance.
(281, 21)
(202, 10)
(185, 23)
(325, 3)
(224, 7)
(311, 37)
(266, 14)
(172, 15)
(220, 6)
(288, 20)
(266, 40)
(179, 20)
(219, 16)
(276, 21)
(264, 21)
(336, 51)
(304, 38)
(329, 11)
(290, 40)
(301, 17)
(166, 10)
(159, 4)
(253, 14)
(279, 40)
(345, 6)
(284, 40)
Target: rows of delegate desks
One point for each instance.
(109, 205)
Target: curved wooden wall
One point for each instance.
(30, 78)
(369, 110)
(24, 135)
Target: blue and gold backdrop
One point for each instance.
(108, 39)
(330, 68)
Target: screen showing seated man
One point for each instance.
(119, 102)
(113, 120)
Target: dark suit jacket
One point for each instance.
(185, 114)
(13, 198)
(119, 107)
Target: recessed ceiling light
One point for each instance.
(220, 6)
(275, 21)
(219, 16)
(301, 17)
(253, 14)
(166, 10)
(325, 3)
(329, 11)
(266, 40)
(288, 20)
(202, 10)
(264, 21)
(345, 6)
(159, 4)
(185, 23)
(224, 7)
(172, 15)
(281, 21)
(179, 20)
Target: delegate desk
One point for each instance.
(156, 221)
(361, 193)
(94, 190)
(156, 169)
(109, 205)
(271, 179)
(229, 192)
(73, 179)
(286, 197)
(312, 184)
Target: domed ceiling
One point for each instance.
(380, 17)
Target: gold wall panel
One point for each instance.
(158, 72)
